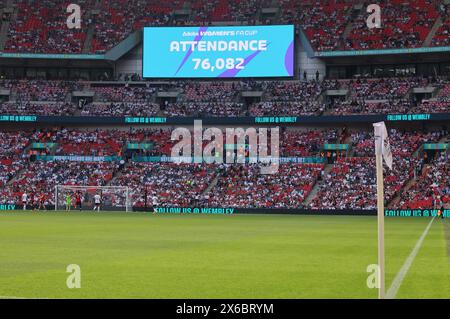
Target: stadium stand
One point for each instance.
(38, 28)
(442, 37)
(343, 179)
(41, 178)
(406, 25)
(431, 188)
(166, 184)
(245, 187)
(329, 25)
(36, 108)
(349, 185)
(324, 23)
(120, 109)
(345, 182)
(291, 98)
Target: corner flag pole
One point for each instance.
(382, 151)
(380, 205)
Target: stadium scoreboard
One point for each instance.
(218, 52)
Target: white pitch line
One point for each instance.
(392, 292)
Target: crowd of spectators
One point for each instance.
(203, 109)
(403, 146)
(114, 93)
(432, 187)
(433, 106)
(120, 109)
(294, 91)
(349, 183)
(84, 142)
(245, 187)
(275, 98)
(117, 19)
(390, 96)
(11, 153)
(296, 98)
(324, 22)
(360, 107)
(439, 104)
(108, 142)
(309, 143)
(442, 36)
(211, 91)
(381, 89)
(298, 108)
(355, 176)
(41, 178)
(166, 184)
(38, 27)
(43, 90)
(38, 108)
(405, 24)
(206, 11)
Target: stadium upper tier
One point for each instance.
(40, 26)
(221, 99)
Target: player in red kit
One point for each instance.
(42, 202)
(78, 201)
(32, 203)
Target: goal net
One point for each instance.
(111, 197)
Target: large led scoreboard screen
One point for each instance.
(218, 52)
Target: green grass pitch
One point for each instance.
(136, 255)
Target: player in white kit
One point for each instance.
(97, 202)
(24, 200)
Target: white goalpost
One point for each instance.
(112, 197)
